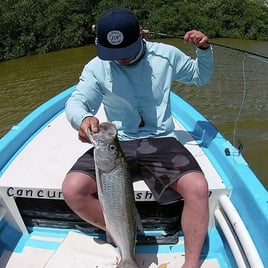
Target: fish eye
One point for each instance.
(112, 147)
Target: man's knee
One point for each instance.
(193, 185)
(77, 185)
(200, 187)
(69, 188)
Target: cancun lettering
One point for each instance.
(34, 193)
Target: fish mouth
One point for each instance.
(108, 129)
(97, 139)
(106, 134)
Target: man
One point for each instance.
(132, 78)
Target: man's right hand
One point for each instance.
(91, 123)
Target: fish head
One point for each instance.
(106, 147)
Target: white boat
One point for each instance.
(37, 229)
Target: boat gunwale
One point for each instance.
(19, 135)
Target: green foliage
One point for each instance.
(39, 26)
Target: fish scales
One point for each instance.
(116, 194)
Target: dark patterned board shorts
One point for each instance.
(158, 161)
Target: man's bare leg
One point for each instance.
(79, 191)
(194, 190)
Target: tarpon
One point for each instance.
(116, 194)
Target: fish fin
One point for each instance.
(99, 181)
(128, 264)
(109, 238)
(139, 223)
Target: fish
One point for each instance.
(116, 193)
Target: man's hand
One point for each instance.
(197, 38)
(91, 123)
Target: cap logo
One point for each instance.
(115, 37)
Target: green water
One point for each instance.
(27, 82)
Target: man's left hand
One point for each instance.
(197, 38)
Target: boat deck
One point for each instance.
(53, 250)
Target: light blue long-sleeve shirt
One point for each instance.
(139, 93)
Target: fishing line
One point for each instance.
(167, 35)
(243, 99)
(244, 94)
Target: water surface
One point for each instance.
(27, 82)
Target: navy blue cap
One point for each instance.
(118, 34)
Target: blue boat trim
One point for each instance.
(42, 244)
(19, 135)
(21, 243)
